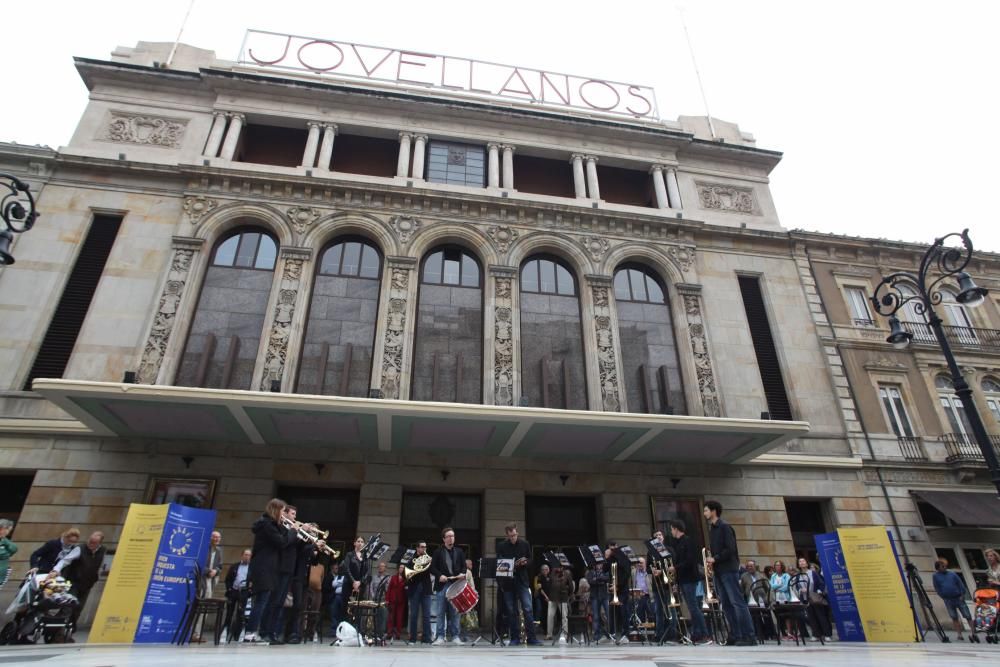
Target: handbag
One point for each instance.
(815, 597)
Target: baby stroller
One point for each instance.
(985, 620)
(43, 609)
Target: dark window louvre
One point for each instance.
(763, 345)
(57, 346)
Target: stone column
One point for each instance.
(508, 167)
(659, 186)
(284, 305)
(419, 147)
(673, 191)
(393, 347)
(178, 274)
(493, 170)
(502, 367)
(232, 136)
(326, 147)
(579, 184)
(215, 134)
(593, 189)
(403, 164)
(312, 141)
(691, 296)
(608, 355)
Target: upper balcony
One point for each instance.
(966, 337)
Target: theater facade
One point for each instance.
(402, 305)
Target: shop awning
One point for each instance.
(965, 509)
(283, 420)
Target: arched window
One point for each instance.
(553, 373)
(340, 330)
(956, 316)
(991, 387)
(914, 322)
(651, 368)
(221, 349)
(954, 411)
(448, 349)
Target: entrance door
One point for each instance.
(805, 521)
(335, 510)
(560, 523)
(13, 493)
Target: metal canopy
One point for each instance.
(965, 509)
(281, 420)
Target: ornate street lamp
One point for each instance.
(17, 207)
(938, 264)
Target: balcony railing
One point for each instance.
(912, 449)
(962, 336)
(963, 448)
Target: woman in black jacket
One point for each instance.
(270, 537)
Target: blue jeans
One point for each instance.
(420, 604)
(445, 610)
(522, 594)
(260, 600)
(698, 628)
(734, 606)
(596, 606)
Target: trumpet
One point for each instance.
(614, 584)
(710, 597)
(308, 532)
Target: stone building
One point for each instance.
(401, 308)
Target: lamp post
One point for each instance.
(17, 208)
(938, 264)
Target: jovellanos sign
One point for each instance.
(460, 75)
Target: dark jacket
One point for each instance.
(560, 586)
(598, 584)
(269, 541)
(686, 560)
(439, 564)
(623, 575)
(289, 554)
(520, 549)
(231, 591)
(949, 585)
(46, 556)
(419, 584)
(353, 569)
(85, 570)
(722, 538)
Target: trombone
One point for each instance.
(710, 597)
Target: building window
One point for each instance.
(858, 304)
(547, 276)
(355, 258)
(953, 409)
(764, 348)
(451, 266)
(895, 410)
(457, 164)
(249, 249)
(992, 390)
(635, 284)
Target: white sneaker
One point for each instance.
(457, 641)
(562, 639)
(250, 637)
(438, 642)
(623, 640)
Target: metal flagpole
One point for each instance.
(180, 32)
(697, 72)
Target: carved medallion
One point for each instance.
(682, 257)
(404, 226)
(197, 207)
(596, 246)
(145, 130)
(502, 237)
(302, 217)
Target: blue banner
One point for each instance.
(838, 588)
(183, 546)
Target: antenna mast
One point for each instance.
(697, 73)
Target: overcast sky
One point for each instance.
(886, 112)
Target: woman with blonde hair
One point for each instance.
(992, 567)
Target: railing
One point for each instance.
(912, 449)
(963, 336)
(963, 448)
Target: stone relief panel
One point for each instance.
(727, 198)
(163, 321)
(281, 326)
(404, 226)
(683, 258)
(596, 246)
(607, 365)
(502, 237)
(302, 217)
(395, 332)
(144, 130)
(197, 207)
(702, 359)
(503, 342)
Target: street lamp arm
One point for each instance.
(888, 298)
(17, 205)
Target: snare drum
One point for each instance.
(462, 596)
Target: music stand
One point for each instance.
(488, 570)
(402, 556)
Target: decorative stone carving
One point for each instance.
(281, 325)
(197, 207)
(503, 342)
(395, 328)
(502, 237)
(702, 358)
(727, 198)
(302, 217)
(404, 226)
(163, 321)
(596, 246)
(145, 130)
(682, 257)
(886, 364)
(607, 364)
(896, 476)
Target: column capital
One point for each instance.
(330, 126)
(508, 147)
(401, 262)
(236, 115)
(405, 135)
(220, 113)
(656, 167)
(314, 124)
(420, 137)
(596, 280)
(688, 289)
(576, 156)
(494, 146)
(590, 158)
(501, 271)
(292, 252)
(186, 243)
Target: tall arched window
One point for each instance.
(448, 350)
(991, 387)
(650, 365)
(954, 411)
(956, 316)
(914, 322)
(553, 374)
(340, 329)
(221, 348)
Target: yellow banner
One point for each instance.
(883, 605)
(118, 613)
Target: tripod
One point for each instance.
(930, 618)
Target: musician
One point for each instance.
(470, 620)
(660, 597)
(275, 616)
(725, 562)
(354, 567)
(418, 597)
(560, 591)
(686, 560)
(314, 590)
(376, 593)
(598, 579)
(447, 566)
(270, 538)
(642, 584)
(622, 584)
(305, 551)
(237, 592)
(517, 589)
(395, 599)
